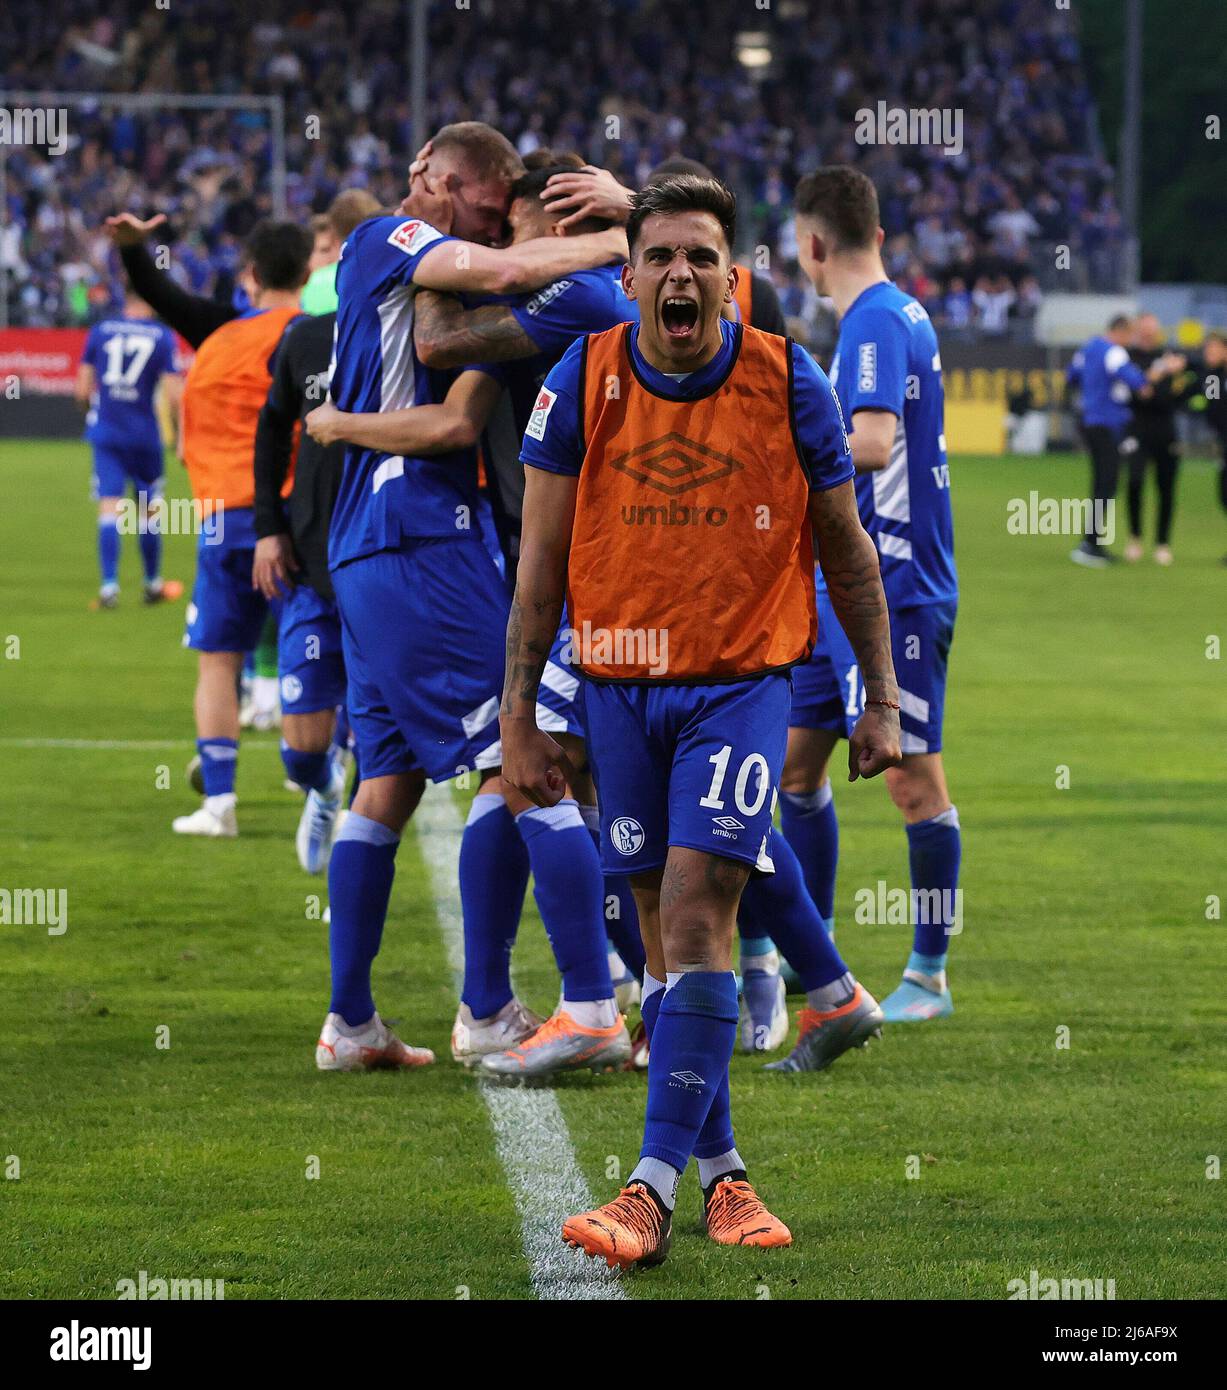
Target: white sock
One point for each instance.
(265, 693)
(831, 996)
(592, 1013)
(651, 986)
(660, 1176)
(617, 967)
(712, 1168)
(220, 804)
(936, 984)
(355, 1030)
(768, 962)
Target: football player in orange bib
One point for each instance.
(677, 473)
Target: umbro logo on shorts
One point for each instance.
(673, 464)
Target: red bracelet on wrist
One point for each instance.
(890, 704)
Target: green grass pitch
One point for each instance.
(1086, 909)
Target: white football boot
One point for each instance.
(627, 990)
(318, 824)
(763, 1022)
(212, 825)
(372, 1047)
(475, 1038)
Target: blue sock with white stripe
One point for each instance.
(108, 551)
(219, 760)
(780, 905)
(935, 849)
(360, 875)
(570, 892)
(493, 881)
(692, 1044)
(311, 770)
(811, 827)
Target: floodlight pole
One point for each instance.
(415, 28)
(1131, 142)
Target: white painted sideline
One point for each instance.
(124, 745)
(529, 1129)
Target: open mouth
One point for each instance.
(680, 317)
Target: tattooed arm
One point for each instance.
(850, 566)
(446, 334)
(531, 759)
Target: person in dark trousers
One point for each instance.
(1107, 380)
(1151, 438)
(1211, 382)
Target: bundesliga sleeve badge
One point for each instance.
(413, 236)
(541, 413)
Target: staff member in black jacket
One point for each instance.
(1151, 437)
(1212, 385)
(291, 561)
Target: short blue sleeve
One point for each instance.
(89, 353)
(873, 352)
(391, 247)
(552, 436)
(555, 316)
(821, 436)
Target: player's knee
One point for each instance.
(308, 733)
(799, 779)
(918, 789)
(694, 935)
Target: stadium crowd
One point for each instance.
(968, 234)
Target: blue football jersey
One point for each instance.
(384, 500)
(586, 301)
(887, 358)
(1108, 378)
(129, 358)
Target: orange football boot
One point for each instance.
(735, 1215)
(630, 1230)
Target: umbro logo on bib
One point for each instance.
(673, 464)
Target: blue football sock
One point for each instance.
(360, 876)
(622, 923)
(692, 1044)
(493, 881)
(934, 851)
(716, 1136)
(811, 827)
(151, 554)
(570, 892)
(780, 904)
(108, 549)
(219, 760)
(312, 770)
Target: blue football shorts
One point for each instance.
(690, 765)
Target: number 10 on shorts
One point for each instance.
(753, 762)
